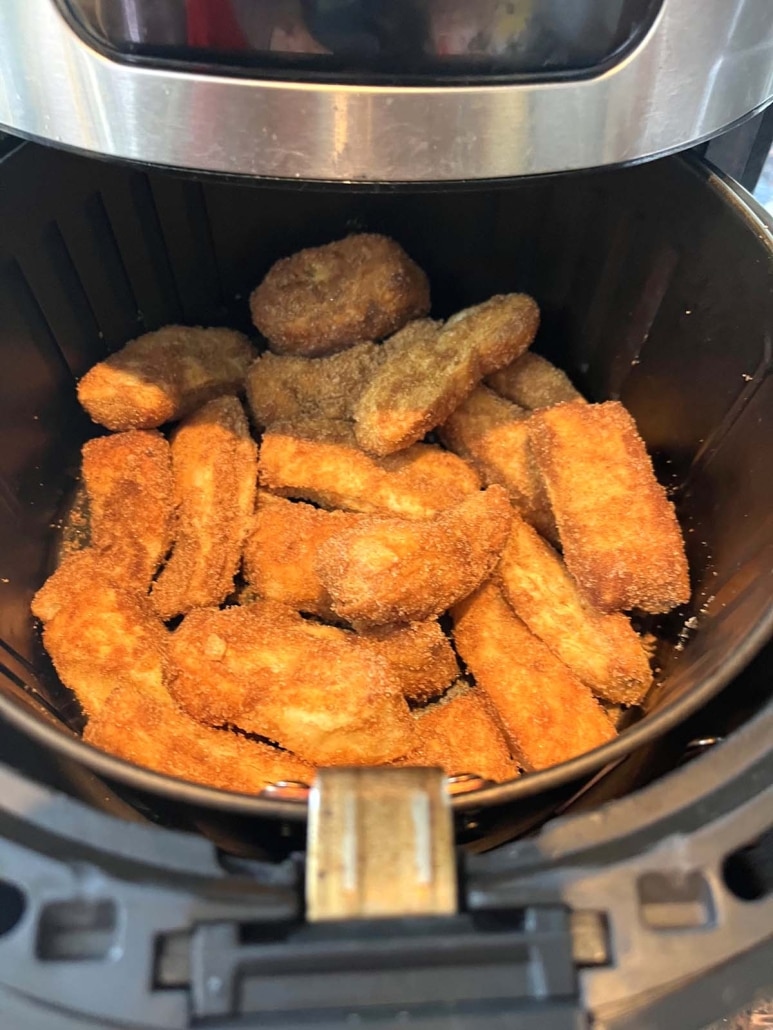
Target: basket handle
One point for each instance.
(380, 844)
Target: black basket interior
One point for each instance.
(656, 286)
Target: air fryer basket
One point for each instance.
(656, 285)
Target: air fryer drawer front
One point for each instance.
(664, 75)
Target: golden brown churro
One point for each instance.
(460, 734)
(100, 635)
(426, 374)
(533, 383)
(325, 299)
(155, 733)
(548, 714)
(128, 480)
(164, 375)
(283, 387)
(420, 655)
(618, 531)
(215, 469)
(318, 460)
(316, 690)
(281, 550)
(493, 435)
(602, 650)
(399, 570)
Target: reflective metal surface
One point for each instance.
(704, 64)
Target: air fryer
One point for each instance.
(629, 888)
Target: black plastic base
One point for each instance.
(624, 915)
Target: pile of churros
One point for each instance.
(417, 544)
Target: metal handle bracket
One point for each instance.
(380, 844)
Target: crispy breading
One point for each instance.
(324, 299)
(533, 383)
(602, 650)
(282, 387)
(399, 570)
(316, 690)
(420, 654)
(425, 375)
(460, 733)
(382, 408)
(214, 460)
(493, 435)
(128, 479)
(164, 375)
(548, 714)
(281, 549)
(100, 635)
(319, 460)
(155, 733)
(618, 531)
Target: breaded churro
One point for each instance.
(214, 460)
(314, 689)
(319, 460)
(281, 549)
(548, 714)
(325, 299)
(398, 570)
(428, 372)
(618, 531)
(282, 387)
(420, 655)
(602, 650)
(155, 733)
(128, 480)
(493, 435)
(460, 734)
(164, 375)
(100, 635)
(533, 383)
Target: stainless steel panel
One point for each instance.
(703, 65)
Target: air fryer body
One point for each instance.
(416, 91)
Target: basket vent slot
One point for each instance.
(78, 930)
(748, 872)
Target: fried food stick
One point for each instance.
(279, 558)
(460, 734)
(493, 435)
(420, 655)
(324, 299)
(549, 716)
(155, 733)
(282, 387)
(618, 531)
(533, 383)
(428, 372)
(319, 460)
(215, 470)
(314, 689)
(128, 479)
(164, 375)
(100, 635)
(281, 549)
(397, 570)
(602, 650)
